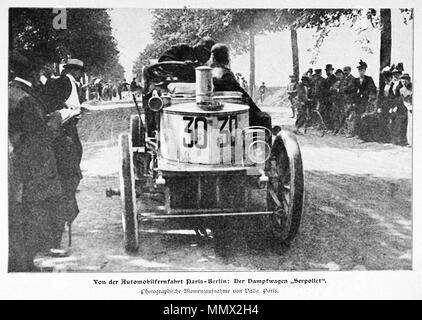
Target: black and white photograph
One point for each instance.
(199, 139)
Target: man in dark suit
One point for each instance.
(365, 94)
(349, 85)
(329, 81)
(318, 90)
(133, 86)
(262, 91)
(349, 91)
(302, 102)
(34, 184)
(63, 94)
(337, 96)
(198, 54)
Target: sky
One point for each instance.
(132, 30)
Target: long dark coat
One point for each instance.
(34, 184)
(180, 52)
(68, 151)
(225, 80)
(363, 91)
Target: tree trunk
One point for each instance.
(385, 48)
(252, 63)
(295, 52)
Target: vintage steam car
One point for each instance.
(195, 148)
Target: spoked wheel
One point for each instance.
(127, 194)
(285, 187)
(140, 158)
(137, 130)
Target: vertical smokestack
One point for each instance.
(204, 85)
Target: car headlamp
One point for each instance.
(258, 151)
(155, 103)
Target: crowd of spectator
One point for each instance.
(354, 106)
(102, 90)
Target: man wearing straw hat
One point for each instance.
(64, 94)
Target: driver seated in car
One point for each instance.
(198, 55)
(225, 80)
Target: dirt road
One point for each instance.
(357, 212)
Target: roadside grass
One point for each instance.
(101, 125)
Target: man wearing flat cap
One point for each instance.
(63, 94)
(34, 184)
(303, 103)
(198, 54)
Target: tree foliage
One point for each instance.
(324, 20)
(88, 36)
(150, 52)
(112, 70)
(232, 26)
(174, 26)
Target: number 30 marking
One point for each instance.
(227, 129)
(230, 132)
(193, 139)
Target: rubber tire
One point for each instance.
(127, 194)
(286, 143)
(136, 131)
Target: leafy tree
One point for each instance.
(88, 36)
(113, 70)
(175, 26)
(326, 19)
(150, 52)
(253, 22)
(321, 19)
(236, 27)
